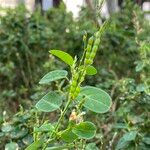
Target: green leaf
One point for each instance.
(146, 140)
(6, 127)
(65, 57)
(11, 146)
(126, 139)
(96, 99)
(140, 88)
(68, 136)
(45, 128)
(91, 70)
(85, 130)
(53, 76)
(35, 145)
(91, 146)
(49, 102)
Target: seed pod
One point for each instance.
(94, 49)
(93, 55)
(87, 55)
(86, 61)
(89, 47)
(97, 42)
(90, 41)
(72, 89)
(97, 34)
(74, 83)
(76, 76)
(78, 89)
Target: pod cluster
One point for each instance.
(74, 88)
(91, 49)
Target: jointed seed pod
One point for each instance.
(89, 47)
(97, 41)
(78, 89)
(74, 83)
(87, 55)
(94, 49)
(90, 41)
(97, 34)
(93, 55)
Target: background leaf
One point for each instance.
(96, 99)
(65, 57)
(126, 139)
(53, 76)
(11, 146)
(45, 128)
(49, 102)
(85, 130)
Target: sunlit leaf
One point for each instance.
(126, 139)
(91, 70)
(65, 57)
(96, 99)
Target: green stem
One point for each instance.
(62, 115)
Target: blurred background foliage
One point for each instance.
(122, 63)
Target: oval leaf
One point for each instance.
(35, 145)
(11, 146)
(124, 141)
(65, 57)
(91, 70)
(85, 130)
(49, 102)
(68, 136)
(53, 76)
(45, 128)
(96, 99)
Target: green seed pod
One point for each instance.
(86, 61)
(90, 61)
(72, 89)
(93, 55)
(82, 79)
(87, 55)
(97, 42)
(78, 89)
(90, 41)
(76, 94)
(89, 47)
(74, 83)
(94, 49)
(97, 34)
(76, 76)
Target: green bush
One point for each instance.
(122, 63)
